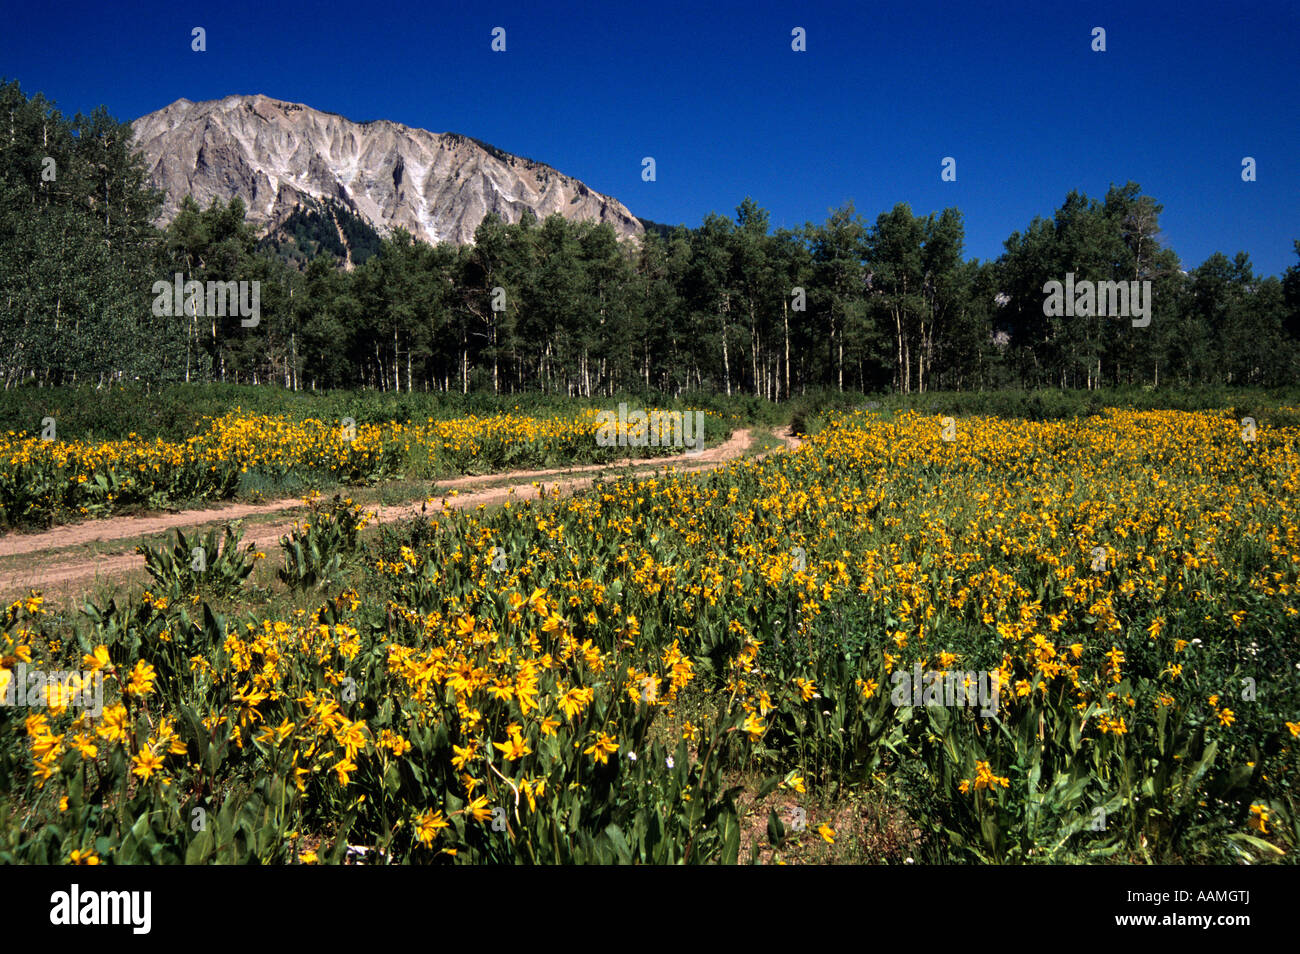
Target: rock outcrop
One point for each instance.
(273, 155)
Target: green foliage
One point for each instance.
(78, 246)
(177, 412)
(315, 227)
(314, 549)
(564, 308)
(209, 565)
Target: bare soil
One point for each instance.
(72, 559)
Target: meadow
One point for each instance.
(85, 458)
(702, 668)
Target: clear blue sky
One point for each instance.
(714, 92)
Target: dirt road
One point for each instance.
(62, 561)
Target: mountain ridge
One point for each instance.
(275, 155)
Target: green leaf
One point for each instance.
(775, 829)
(1259, 843)
(200, 849)
(619, 841)
(768, 787)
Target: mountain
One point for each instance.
(279, 157)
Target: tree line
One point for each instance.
(731, 306)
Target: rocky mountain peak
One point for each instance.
(277, 155)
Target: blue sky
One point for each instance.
(715, 94)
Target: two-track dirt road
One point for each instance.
(72, 559)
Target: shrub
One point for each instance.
(314, 549)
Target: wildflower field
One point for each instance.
(702, 668)
(46, 479)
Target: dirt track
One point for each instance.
(78, 570)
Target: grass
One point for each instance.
(874, 810)
(174, 412)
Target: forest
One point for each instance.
(731, 306)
